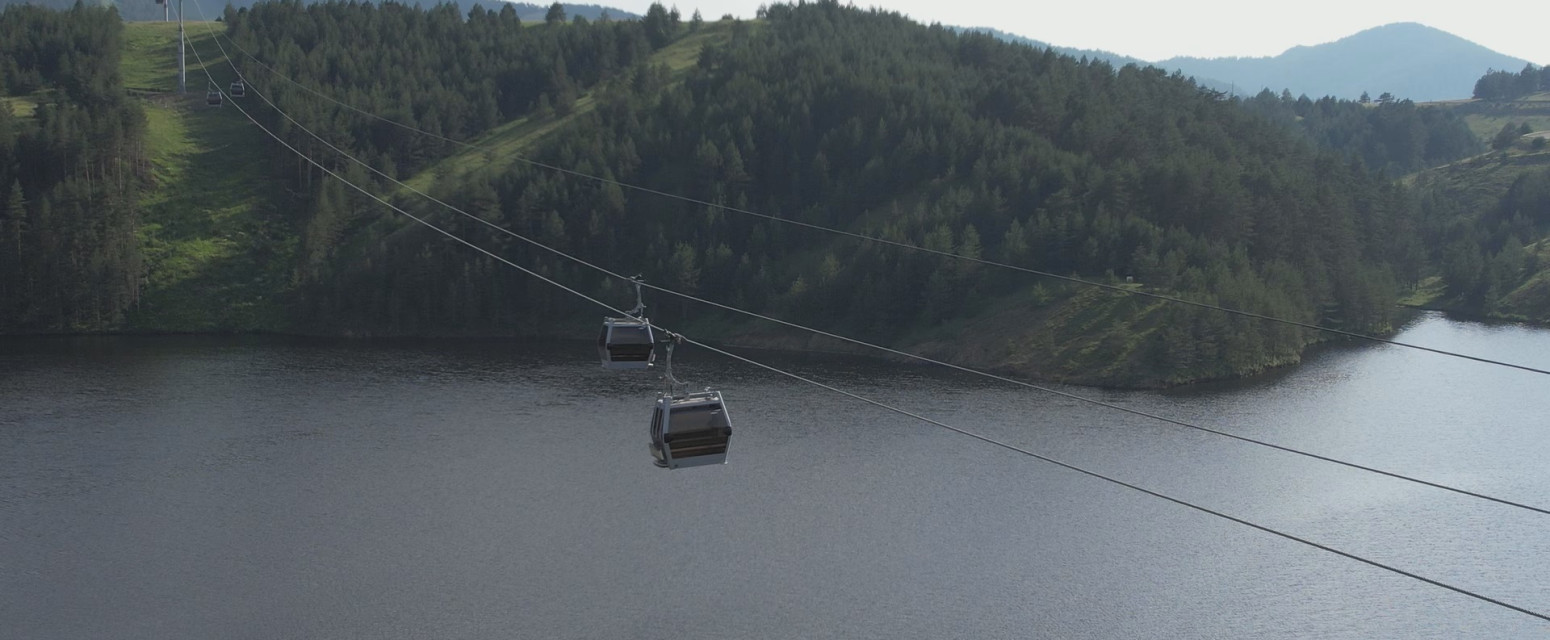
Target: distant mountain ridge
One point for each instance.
(1115, 59)
(1409, 60)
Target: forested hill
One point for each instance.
(1488, 220)
(1394, 136)
(872, 123)
(860, 120)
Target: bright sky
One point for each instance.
(1158, 29)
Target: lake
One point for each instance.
(262, 487)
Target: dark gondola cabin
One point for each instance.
(690, 431)
(626, 343)
(238, 89)
(213, 98)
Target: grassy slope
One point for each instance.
(1485, 119)
(1084, 336)
(215, 245)
(1059, 333)
(505, 145)
(1533, 110)
(21, 106)
(1486, 176)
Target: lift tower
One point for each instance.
(182, 44)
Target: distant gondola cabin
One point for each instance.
(626, 343)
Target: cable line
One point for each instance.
(905, 354)
(903, 412)
(894, 243)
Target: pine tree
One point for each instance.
(1506, 137)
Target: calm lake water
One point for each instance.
(277, 488)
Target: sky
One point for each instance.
(1158, 29)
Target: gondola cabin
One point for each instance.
(626, 343)
(691, 430)
(213, 98)
(239, 89)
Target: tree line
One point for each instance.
(1500, 86)
(70, 174)
(1396, 137)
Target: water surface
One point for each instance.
(263, 488)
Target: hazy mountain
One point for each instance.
(1091, 54)
(1110, 57)
(1406, 59)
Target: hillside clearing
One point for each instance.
(211, 233)
(1486, 119)
(21, 106)
(150, 61)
